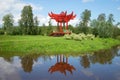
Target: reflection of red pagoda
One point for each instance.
(62, 65)
(62, 19)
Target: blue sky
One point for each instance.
(42, 7)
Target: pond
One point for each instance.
(102, 65)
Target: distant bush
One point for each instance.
(116, 32)
(118, 37)
(1, 32)
(79, 37)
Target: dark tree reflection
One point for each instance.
(85, 61)
(101, 57)
(27, 62)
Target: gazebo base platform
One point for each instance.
(59, 33)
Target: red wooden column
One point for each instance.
(60, 27)
(66, 25)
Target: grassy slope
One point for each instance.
(41, 44)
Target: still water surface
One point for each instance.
(103, 65)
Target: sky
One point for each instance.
(41, 8)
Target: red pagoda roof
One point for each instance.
(62, 17)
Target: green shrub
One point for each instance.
(72, 35)
(90, 36)
(67, 36)
(83, 36)
(79, 37)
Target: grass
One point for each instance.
(52, 45)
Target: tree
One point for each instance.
(105, 27)
(43, 30)
(118, 24)
(71, 28)
(101, 28)
(27, 63)
(94, 25)
(101, 17)
(16, 30)
(86, 17)
(85, 62)
(36, 23)
(116, 30)
(26, 21)
(50, 27)
(110, 25)
(49, 22)
(22, 29)
(8, 23)
(85, 20)
(1, 31)
(110, 19)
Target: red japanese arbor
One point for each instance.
(62, 19)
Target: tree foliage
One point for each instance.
(101, 17)
(86, 17)
(102, 27)
(110, 19)
(26, 22)
(8, 23)
(83, 26)
(36, 24)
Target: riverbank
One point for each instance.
(50, 45)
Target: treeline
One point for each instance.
(28, 25)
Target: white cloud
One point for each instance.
(14, 7)
(7, 71)
(118, 27)
(85, 1)
(16, 62)
(43, 20)
(74, 22)
(37, 63)
(87, 73)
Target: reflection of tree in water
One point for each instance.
(85, 61)
(27, 62)
(117, 50)
(8, 59)
(61, 65)
(102, 57)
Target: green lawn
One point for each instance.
(48, 45)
